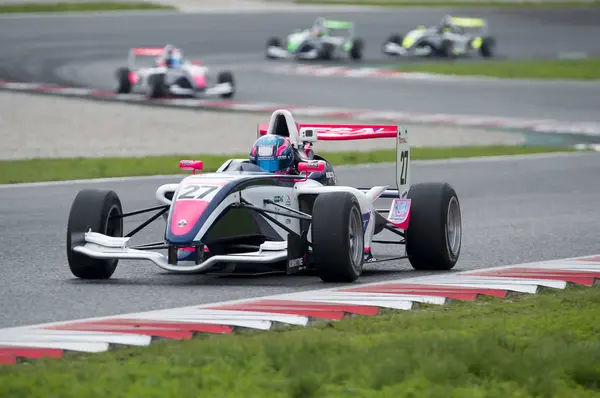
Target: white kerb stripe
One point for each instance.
(356, 296)
(48, 335)
(90, 347)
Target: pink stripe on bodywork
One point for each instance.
(133, 78)
(188, 210)
(200, 80)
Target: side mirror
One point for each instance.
(194, 165)
(312, 167)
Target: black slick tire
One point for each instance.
(428, 245)
(336, 217)
(123, 83)
(92, 210)
(227, 77)
(272, 42)
(488, 47)
(356, 52)
(156, 86)
(395, 38)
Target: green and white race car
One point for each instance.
(452, 37)
(325, 40)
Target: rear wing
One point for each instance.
(336, 24)
(346, 132)
(143, 52)
(469, 23)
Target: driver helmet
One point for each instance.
(273, 154)
(319, 30)
(172, 56)
(446, 21)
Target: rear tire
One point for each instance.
(227, 77)
(356, 53)
(337, 237)
(434, 214)
(123, 82)
(488, 47)
(92, 209)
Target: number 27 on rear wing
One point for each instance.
(348, 132)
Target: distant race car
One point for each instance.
(326, 40)
(241, 216)
(172, 75)
(452, 37)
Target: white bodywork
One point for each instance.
(102, 246)
(338, 43)
(187, 70)
(192, 72)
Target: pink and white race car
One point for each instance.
(172, 76)
(240, 218)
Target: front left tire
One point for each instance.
(337, 237)
(98, 211)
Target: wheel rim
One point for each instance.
(355, 235)
(453, 226)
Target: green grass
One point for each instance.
(33, 170)
(547, 345)
(80, 7)
(582, 69)
(456, 3)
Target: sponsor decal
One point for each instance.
(365, 219)
(297, 264)
(399, 211)
(278, 199)
(288, 200)
(182, 223)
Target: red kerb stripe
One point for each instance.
(580, 277)
(29, 352)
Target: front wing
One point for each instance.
(218, 89)
(101, 246)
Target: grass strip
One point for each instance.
(457, 3)
(544, 345)
(80, 7)
(582, 69)
(35, 170)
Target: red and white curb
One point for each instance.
(538, 126)
(343, 71)
(97, 335)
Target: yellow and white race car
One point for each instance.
(452, 37)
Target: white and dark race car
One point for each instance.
(452, 37)
(241, 218)
(325, 40)
(170, 75)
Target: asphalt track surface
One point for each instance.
(514, 211)
(86, 50)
